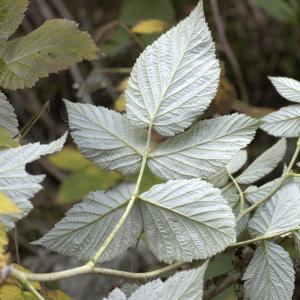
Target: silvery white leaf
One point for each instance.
(149, 291)
(185, 220)
(129, 288)
(86, 226)
(253, 193)
(184, 285)
(264, 164)
(116, 294)
(15, 182)
(104, 137)
(236, 163)
(8, 118)
(283, 123)
(270, 274)
(280, 213)
(231, 195)
(288, 88)
(204, 149)
(175, 79)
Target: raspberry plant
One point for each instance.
(205, 203)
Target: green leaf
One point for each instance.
(11, 16)
(8, 118)
(54, 46)
(80, 183)
(279, 9)
(69, 159)
(6, 140)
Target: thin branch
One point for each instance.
(20, 276)
(117, 70)
(227, 282)
(24, 131)
(264, 237)
(90, 269)
(283, 178)
(228, 50)
(131, 34)
(84, 270)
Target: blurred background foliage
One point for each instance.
(254, 39)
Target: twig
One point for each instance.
(116, 70)
(252, 111)
(228, 50)
(32, 122)
(91, 269)
(20, 276)
(84, 270)
(264, 237)
(227, 282)
(133, 35)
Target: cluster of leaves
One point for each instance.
(16, 188)
(201, 208)
(54, 46)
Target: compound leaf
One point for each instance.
(264, 164)
(270, 274)
(204, 149)
(288, 88)
(185, 220)
(54, 46)
(104, 137)
(87, 225)
(283, 123)
(174, 79)
(280, 213)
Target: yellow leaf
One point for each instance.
(4, 257)
(120, 103)
(56, 295)
(122, 86)
(12, 289)
(6, 140)
(69, 159)
(7, 207)
(149, 26)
